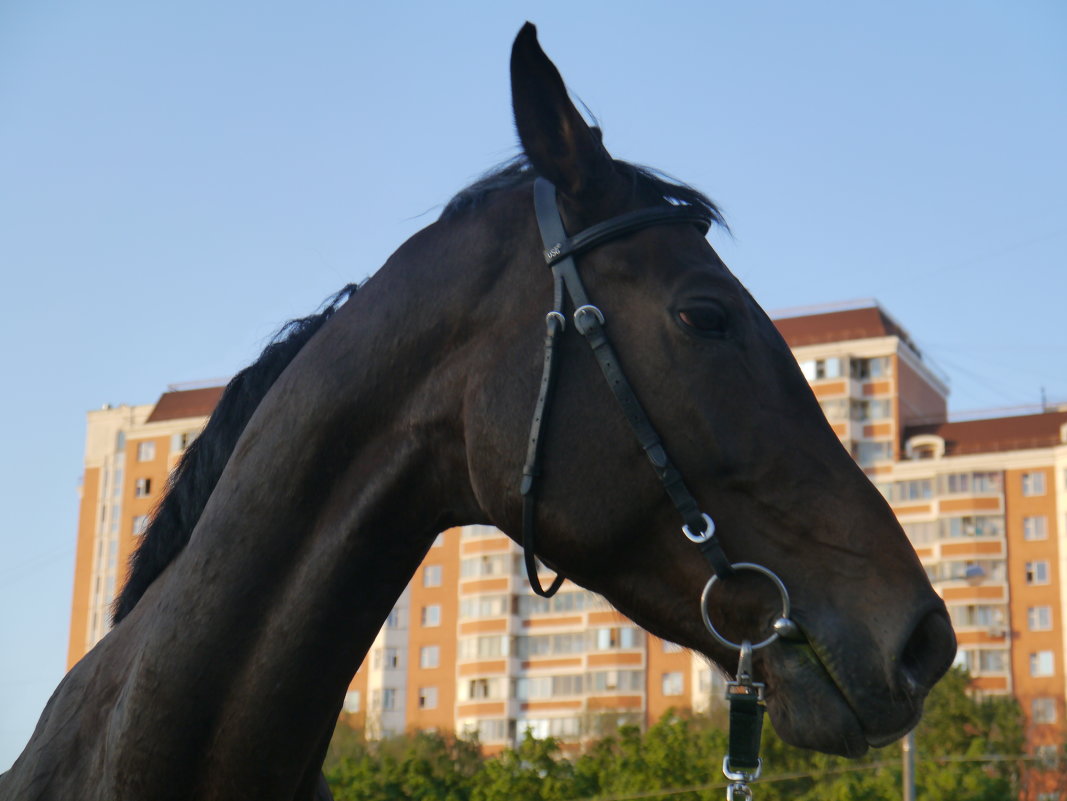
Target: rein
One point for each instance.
(745, 696)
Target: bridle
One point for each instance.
(744, 695)
(560, 252)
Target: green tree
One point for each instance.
(535, 771)
(424, 765)
(961, 745)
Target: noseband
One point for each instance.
(560, 252)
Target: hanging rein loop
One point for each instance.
(560, 252)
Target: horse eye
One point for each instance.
(706, 319)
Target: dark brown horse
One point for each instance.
(332, 463)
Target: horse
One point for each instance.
(401, 409)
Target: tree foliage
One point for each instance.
(680, 758)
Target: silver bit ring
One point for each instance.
(706, 595)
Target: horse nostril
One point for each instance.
(929, 651)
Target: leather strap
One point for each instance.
(746, 727)
(560, 251)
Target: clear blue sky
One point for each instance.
(176, 180)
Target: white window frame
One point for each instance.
(672, 683)
(432, 575)
(431, 615)
(1039, 618)
(1037, 573)
(1042, 664)
(429, 657)
(1033, 484)
(1043, 710)
(427, 697)
(1035, 527)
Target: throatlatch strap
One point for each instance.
(554, 326)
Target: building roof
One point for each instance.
(185, 403)
(1021, 432)
(838, 326)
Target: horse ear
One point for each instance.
(560, 145)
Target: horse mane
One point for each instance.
(518, 171)
(201, 465)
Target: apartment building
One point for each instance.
(129, 454)
(469, 647)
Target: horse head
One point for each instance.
(739, 422)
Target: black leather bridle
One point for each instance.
(560, 252)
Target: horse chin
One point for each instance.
(813, 712)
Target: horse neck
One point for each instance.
(352, 464)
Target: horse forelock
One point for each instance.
(198, 471)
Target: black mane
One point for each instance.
(518, 171)
(198, 472)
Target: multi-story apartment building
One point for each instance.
(469, 647)
(129, 454)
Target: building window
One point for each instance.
(479, 689)
(861, 369)
(922, 532)
(977, 616)
(429, 656)
(919, 489)
(1035, 528)
(146, 451)
(499, 564)
(972, 526)
(1037, 572)
(867, 453)
(1041, 664)
(982, 661)
(1043, 710)
(142, 488)
(609, 638)
(352, 700)
(431, 615)
(863, 410)
(439, 540)
(672, 683)
(496, 645)
(427, 698)
(817, 369)
(393, 620)
(431, 576)
(1039, 618)
(970, 483)
(1033, 484)
(140, 525)
(387, 658)
(671, 647)
(485, 606)
(388, 699)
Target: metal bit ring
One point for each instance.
(706, 595)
